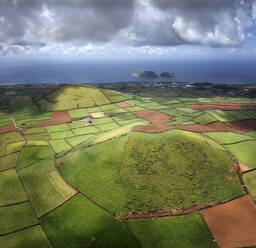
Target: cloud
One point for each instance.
(35, 24)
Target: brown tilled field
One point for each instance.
(153, 116)
(8, 128)
(233, 224)
(58, 117)
(122, 104)
(221, 106)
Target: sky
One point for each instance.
(128, 28)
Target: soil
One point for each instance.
(8, 128)
(239, 127)
(122, 104)
(221, 105)
(58, 117)
(153, 116)
(233, 223)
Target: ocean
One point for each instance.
(96, 71)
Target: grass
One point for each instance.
(28, 238)
(251, 134)
(227, 137)
(85, 130)
(11, 148)
(205, 118)
(78, 113)
(62, 135)
(35, 130)
(73, 97)
(8, 162)
(107, 126)
(125, 118)
(37, 143)
(224, 116)
(74, 141)
(148, 171)
(11, 190)
(115, 96)
(76, 124)
(173, 112)
(102, 121)
(16, 217)
(80, 223)
(29, 120)
(180, 120)
(38, 136)
(10, 137)
(45, 187)
(60, 145)
(245, 152)
(58, 128)
(250, 183)
(186, 231)
(33, 154)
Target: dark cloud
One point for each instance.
(138, 22)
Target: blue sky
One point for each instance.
(128, 29)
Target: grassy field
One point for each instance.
(250, 182)
(38, 136)
(187, 231)
(29, 238)
(148, 171)
(74, 141)
(11, 137)
(78, 113)
(16, 217)
(11, 190)
(58, 128)
(79, 223)
(60, 145)
(73, 97)
(85, 130)
(35, 130)
(33, 154)
(107, 126)
(245, 152)
(11, 148)
(46, 189)
(62, 135)
(9, 161)
(227, 137)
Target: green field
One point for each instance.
(60, 145)
(245, 152)
(227, 137)
(11, 148)
(38, 136)
(45, 187)
(29, 238)
(11, 137)
(11, 190)
(16, 217)
(32, 154)
(74, 141)
(58, 128)
(78, 113)
(148, 171)
(250, 182)
(9, 161)
(187, 231)
(62, 135)
(79, 223)
(85, 130)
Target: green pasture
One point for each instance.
(16, 217)
(58, 128)
(76, 124)
(37, 143)
(250, 183)
(9, 161)
(80, 223)
(35, 130)
(28, 238)
(38, 136)
(179, 232)
(245, 152)
(107, 126)
(149, 171)
(59, 145)
(173, 112)
(11, 190)
(101, 121)
(61, 135)
(205, 118)
(78, 113)
(115, 96)
(33, 154)
(10, 137)
(74, 141)
(85, 130)
(45, 187)
(227, 137)
(11, 148)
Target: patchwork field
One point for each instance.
(127, 165)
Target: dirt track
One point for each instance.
(221, 105)
(57, 118)
(233, 223)
(8, 128)
(122, 104)
(153, 116)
